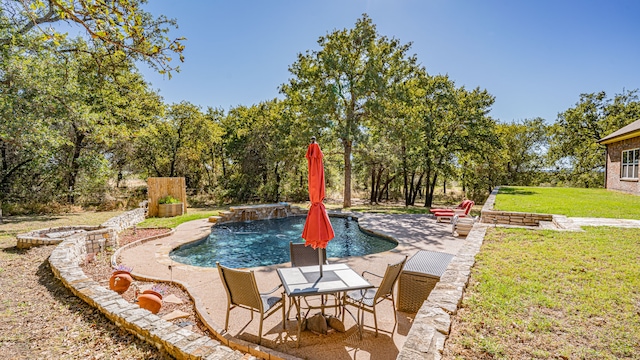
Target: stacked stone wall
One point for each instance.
(126, 220)
(514, 218)
(256, 212)
(494, 217)
(96, 237)
(180, 343)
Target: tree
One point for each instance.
(524, 145)
(163, 147)
(26, 116)
(574, 136)
(335, 85)
(454, 123)
(120, 26)
(62, 121)
(97, 114)
(263, 151)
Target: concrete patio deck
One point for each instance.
(413, 233)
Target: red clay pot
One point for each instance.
(150, 300)
(120, 281)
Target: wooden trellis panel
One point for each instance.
(159, 187)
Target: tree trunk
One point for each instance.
(223, 163)
(385, 188)
(430, 190)
(75, 167)
(405, 174)
(373, 194)
(411, 190)
(415, 192)
(277, 187)
(347, 173)
(378, 182)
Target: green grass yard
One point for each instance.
(572, 202)
(551, 295)
(172, 222)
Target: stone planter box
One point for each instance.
(169, 210)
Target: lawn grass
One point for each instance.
(550, 294)
(172, 222)
(573, 202)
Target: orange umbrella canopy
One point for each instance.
(317, 228)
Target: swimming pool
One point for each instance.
(266, 242)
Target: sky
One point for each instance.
(535, 57)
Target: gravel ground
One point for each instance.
(41, 319)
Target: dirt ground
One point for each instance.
(41, 319)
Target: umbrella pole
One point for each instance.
(320, 260)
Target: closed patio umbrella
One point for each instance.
(317, 228)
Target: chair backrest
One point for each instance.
(463, 204)
(241, 287)
(302, 255)
(390, 277)
(468, 208)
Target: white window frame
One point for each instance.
(629, 164)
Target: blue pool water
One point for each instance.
(266, 242)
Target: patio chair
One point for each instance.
(461, 226)
(447, 215)
(366, 300)
(460, 206)
(242, 291)
(302, 255)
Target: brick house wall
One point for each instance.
(614, 159)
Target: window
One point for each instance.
(629, 168)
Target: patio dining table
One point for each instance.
(305, 281)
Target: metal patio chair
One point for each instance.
(242, 291)
(366, 300)
(302, 255)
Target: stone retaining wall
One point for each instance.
(256, 212)
(514, 218)
(490, 216)
(179, 342)
(126, 220)
(96, 237)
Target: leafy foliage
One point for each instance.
(575, 134)
(118, 29)
(335, 87)
(77, 118)
(168, 200)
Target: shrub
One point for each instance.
(168, 200)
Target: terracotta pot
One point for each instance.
(150, 300)
(120, 281)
